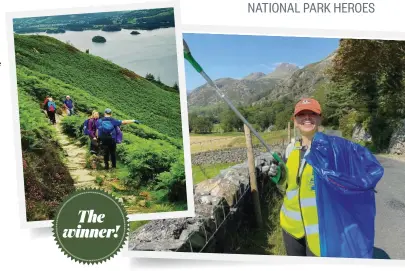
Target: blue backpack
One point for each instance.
(86, 127)
(106, 129)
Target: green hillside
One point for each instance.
(151, 155)
(119, 87)
(46, 179)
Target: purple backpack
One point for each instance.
(118, 135)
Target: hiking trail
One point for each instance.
(76, 159)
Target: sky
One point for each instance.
(237, 56)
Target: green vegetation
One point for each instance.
(116, 86)
(107, 21)
(269, 239)
(367, 87)
(205, 172)
(55, 31)
(151, 78)
(46, 179)
(98, 39)
(273, 115)
(151, 155)
(111, 28)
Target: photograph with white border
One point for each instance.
(100, 102)
(271, 76)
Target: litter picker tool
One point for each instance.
(187, 55)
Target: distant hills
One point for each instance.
(258, 87)
(147, 19)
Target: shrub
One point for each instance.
(347, 123)
(73, 126)
(173, 182)
(46, 179)
(146, 158)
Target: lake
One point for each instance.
(150, 52)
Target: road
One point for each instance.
(390, 204)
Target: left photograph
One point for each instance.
(99, 106)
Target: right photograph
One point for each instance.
(298, 149)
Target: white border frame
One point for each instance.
(275, 259)
(183, 103)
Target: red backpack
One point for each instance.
(51, 106)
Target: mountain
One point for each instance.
(254, 76)
(282, 71)
(243, 91)
(301, 82)
(238, 91)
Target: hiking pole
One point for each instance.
(187, 55)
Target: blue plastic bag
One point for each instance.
(345, 176)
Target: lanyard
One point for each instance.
(301, 163)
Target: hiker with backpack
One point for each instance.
(90, 129)
(69, 106)
(51, 109)
(109, 135)
(45, 105)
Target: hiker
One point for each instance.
(320, 216)
(69, 106)
(51, 109)
(45, 105)
(108, 133)
(90, 129)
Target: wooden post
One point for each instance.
(252, 174)
(289, 132)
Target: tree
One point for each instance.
(175, 86)
(200, 124)
(149, 77)
(370, 74)
(282, 118)
(230, 121)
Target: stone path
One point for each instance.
(76, 159)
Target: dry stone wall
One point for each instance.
(220, 203)
(231, 155)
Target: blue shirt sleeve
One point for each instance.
(117, 122)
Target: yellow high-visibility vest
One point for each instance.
(298, 214)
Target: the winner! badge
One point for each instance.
(90, 226)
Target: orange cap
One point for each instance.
(307, 104)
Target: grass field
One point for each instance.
(205, 172)
(210, 142)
